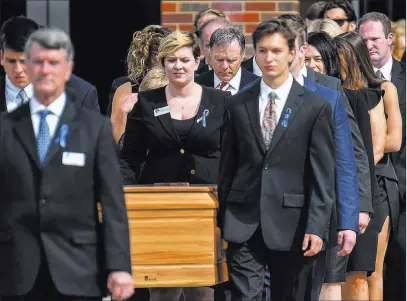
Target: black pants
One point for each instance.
(44, 289)
(288, 271)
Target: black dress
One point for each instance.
(363, 256)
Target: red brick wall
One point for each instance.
(245, 13)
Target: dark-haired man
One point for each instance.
(277, 182)
(342, 12)
(15, 86)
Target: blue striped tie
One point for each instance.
(43, 138)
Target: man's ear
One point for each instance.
(352, 26)
(390, 39)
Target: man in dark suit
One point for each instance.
(376, 30)
(58, 162)
(362, 162)
(277, 174)
(204, 34)
(227, 48)
(345, 216)
(15, 87)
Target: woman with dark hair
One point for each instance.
(322, 55)
(372, 100)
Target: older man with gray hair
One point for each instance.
(227, 50)
(57, 163)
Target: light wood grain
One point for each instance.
(174, 238)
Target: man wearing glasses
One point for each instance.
(341, 12)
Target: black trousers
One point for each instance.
(44, 289)
(289, 271)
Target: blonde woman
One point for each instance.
(327, 25)
(175, 132)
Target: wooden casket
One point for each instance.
(175, 241)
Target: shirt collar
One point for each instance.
(386, 69)
(234, 82)
(12, 90)
(256, 68)
(282, 91)
(56, 107)
(304, 71)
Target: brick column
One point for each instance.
(179, 15)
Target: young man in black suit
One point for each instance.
(15, 86)
(227, 49)
(277, 174)
(58, 162)
(376, 30)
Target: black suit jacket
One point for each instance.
(54, 206)
(288, 189)
(202, 67)
(153, 140)
(83, 94)
(117, 82)
(208, 80)
(248, 64)
(398, 78)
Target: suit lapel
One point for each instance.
(25, 132)
(398, 77)
(165, 119)
(67, 118)
(3, 105)
(197, 127)
(252, 107)
(294, 102)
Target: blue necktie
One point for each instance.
(43, 138)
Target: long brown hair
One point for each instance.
(356, 67)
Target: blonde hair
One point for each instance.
(399, 39)
(155, 78)
(209, 11)
(327, 25)
(175, 41)
(143, 51)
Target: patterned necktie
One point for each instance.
(379, 74)
(222, 85)
(269, 119)
(44, 137)
(23, 96)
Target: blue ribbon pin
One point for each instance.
(63, 133)
(287, 114)
(205, 114)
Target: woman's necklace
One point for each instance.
(182, 106)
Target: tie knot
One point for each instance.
(222, 85)
(44, 113)
(379, 74)
(22, 95)
(272, 96)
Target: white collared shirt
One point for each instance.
(12, 99)
(282, 95)
(303, 74)
(56, 108)
(233, 85)
(256, 68)
(386, 69)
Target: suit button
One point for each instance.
(192, 171)
(181, 151)
(42, 202)
(266, 166)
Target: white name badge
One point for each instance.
(161, 111)
(73, 159)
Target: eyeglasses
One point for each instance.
(340, 22)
